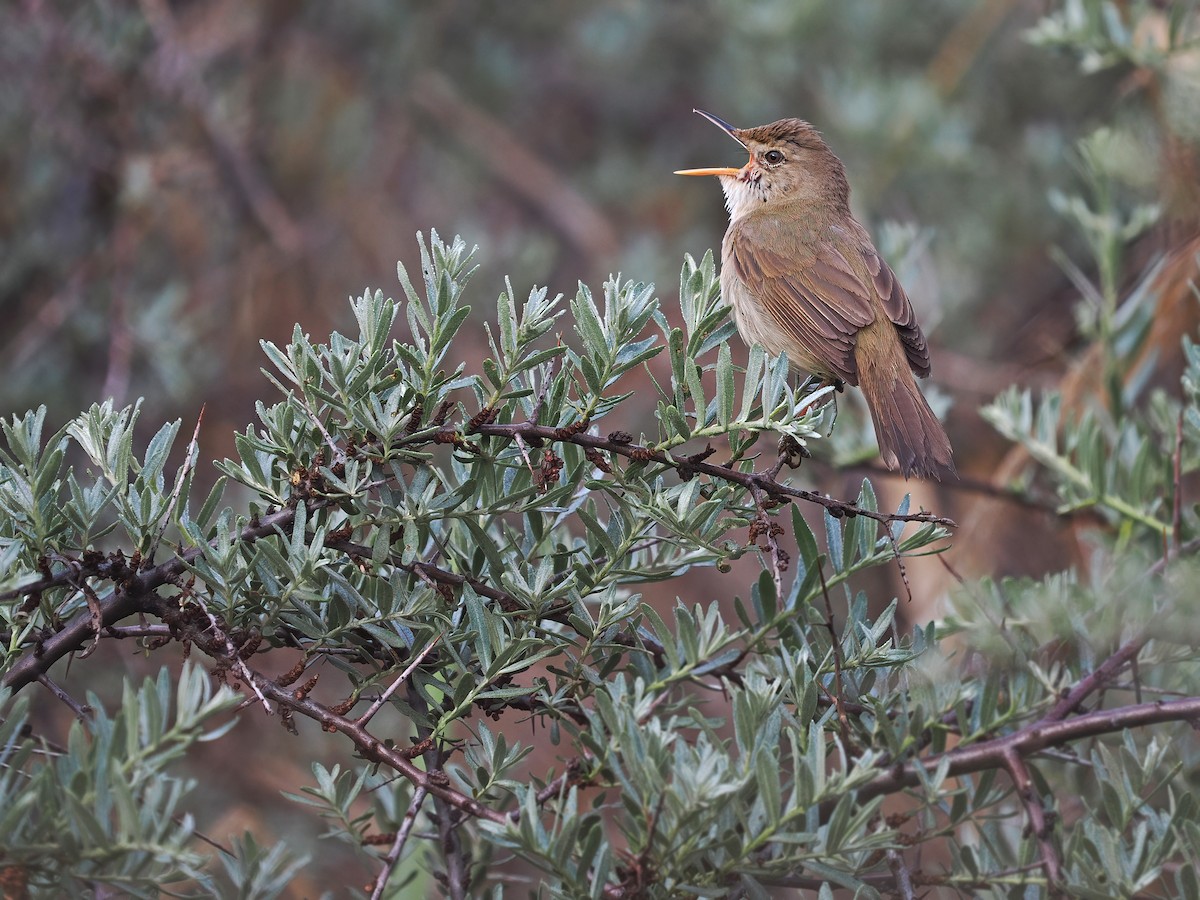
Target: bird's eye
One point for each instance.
(774, 157)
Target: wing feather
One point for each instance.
(823, 288)
(899, 310)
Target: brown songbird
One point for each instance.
(804, 278)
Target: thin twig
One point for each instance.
(836, 648)
(525, 455)
(1098, 677)
(444, 814)
(399, 680)
(1186, 549)
(336, 453)
(393, 855)
(235, 657)
(82, 712)
(773, 548)
(1032, 738)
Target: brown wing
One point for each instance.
(808, 286)
(899, 309)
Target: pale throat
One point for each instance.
(743, 196)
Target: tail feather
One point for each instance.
(911, 439)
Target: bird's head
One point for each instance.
(789, 161)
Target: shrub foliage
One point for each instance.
(456, 549)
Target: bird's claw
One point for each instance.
(791, 452)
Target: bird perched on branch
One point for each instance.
(804, 278)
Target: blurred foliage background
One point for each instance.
(183, 179)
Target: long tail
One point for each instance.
(911, 439)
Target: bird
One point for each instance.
(803, 278)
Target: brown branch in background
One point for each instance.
(1038, 822)
(970, 485)
(514, 163)
(1175, 313)
(121, 338)
(179, 77)
(964, 43)
(82, 712)
(1032, 738)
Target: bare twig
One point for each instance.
(393, 855)
(1098, 677)
(1186, 549)
(82, 712)
(776, 552)
(375, 750)
(336, 453)
(234, 658)
(555, 787)
(400, 679)
(1039, 825)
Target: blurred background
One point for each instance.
(183, 179)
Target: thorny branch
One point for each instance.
(761, 481)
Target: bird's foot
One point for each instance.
(791, 452)
(815, 383)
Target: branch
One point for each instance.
(1039, 824)
(375, 750)
(1101, 675)
(129, 596)
(178, 79)
(393, 855)
(1033, 738)
(749, 480)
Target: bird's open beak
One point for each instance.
(729, 130)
